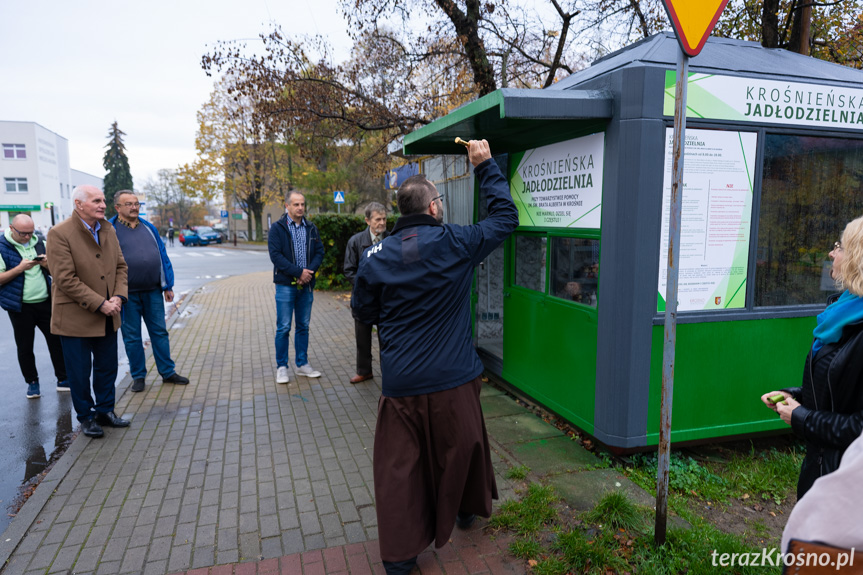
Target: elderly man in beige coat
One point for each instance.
(87, 299)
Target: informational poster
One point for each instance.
(559, 186)
(767, 101)
(716, 215)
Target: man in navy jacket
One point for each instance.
(432, 461)
(297, 252)
(150, 279)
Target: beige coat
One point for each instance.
(85, 275)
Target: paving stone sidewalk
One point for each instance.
(233, 473)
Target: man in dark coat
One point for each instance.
(432, 461)
(376, 219)
(297, 252)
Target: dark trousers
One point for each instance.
(363, 332)
(24, 324)
(98, 354)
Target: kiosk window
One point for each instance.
(575, 269)
(530, 262)
(810, 190)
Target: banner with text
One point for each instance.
(560, 185)
(715, 224)
(768, 101)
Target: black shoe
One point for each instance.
(138, 384)
(464, 520)
(111, 420)
(176, 379)
(91, 428)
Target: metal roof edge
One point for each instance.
(479, 105)
(519, 103)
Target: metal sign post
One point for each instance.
(692, 21)
(671, 299)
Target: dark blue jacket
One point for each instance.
(12, 293)
(281, 245)
(167, 277)
(415, 285)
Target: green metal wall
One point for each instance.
(549, 352)
(722, 369)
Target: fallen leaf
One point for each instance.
(745, 496)
(532, 562)
(773, 514)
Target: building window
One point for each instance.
(575, 269)
(810, 190)
(14, 152)
(530, 262)
(16, 185)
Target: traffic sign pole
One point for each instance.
(692, 21)
(671, 299)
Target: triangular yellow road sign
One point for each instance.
(693, 21)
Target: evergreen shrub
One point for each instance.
(336, 230)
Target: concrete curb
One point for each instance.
(25, 517)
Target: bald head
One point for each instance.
(23, 222)
(22, 229)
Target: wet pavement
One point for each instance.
(35, 432)
(236, 474)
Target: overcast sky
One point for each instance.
(76, 66)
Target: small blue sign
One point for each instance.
(339, 197)
(224, 213)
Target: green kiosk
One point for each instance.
(570, 310)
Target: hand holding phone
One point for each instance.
(39, 258)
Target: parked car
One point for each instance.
(208, 235)
(188, 237)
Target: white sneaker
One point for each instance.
(282, 375)
(308, 371)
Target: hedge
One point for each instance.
(336, 230)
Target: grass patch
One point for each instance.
(615, 510)
(616, 536)
(770, 474)
(529, 515)
(518, 472)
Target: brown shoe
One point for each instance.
(360, 378)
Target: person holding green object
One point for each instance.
(826, 411)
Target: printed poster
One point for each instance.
(559, 186)
(715, 219)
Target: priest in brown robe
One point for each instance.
(432, 461)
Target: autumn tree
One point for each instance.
(238, 147)
(115, 162)
(829, 31)
(173, 200)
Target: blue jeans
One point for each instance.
(99, 354)
(290, 302)
(146, 305)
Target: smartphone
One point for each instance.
(39, 258)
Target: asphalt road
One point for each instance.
(34, 432)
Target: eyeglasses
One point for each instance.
(838, 247)
(440, 197)
(20, 233)
(131, 205)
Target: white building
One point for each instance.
(34, 168)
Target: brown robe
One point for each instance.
(432, 460)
